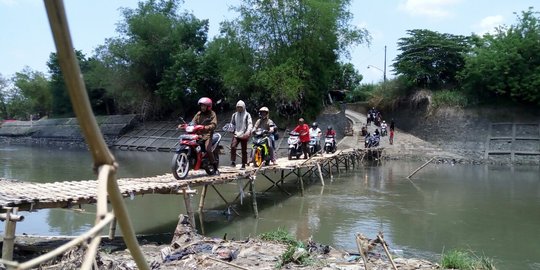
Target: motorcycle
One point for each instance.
(372, 141)
(190, 153)
(261, 149)
(314, 145)
(329, 144)
(384, 132)
(295, 146)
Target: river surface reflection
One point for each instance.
(493, 210)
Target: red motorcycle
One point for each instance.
(191, 153)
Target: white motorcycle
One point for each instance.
(314, 145)
(295, 146)
(329, 144)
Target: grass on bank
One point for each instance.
(296, 251)
(466, 260)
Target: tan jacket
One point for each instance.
(200, 117)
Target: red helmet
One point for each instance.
(206, 101)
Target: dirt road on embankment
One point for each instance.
(406, 146)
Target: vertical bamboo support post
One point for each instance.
(320, 173)
(330, 170)
(201, 200)
(11, 218)
(301, 181)
(253, 197)
(337, 166)
(112, 229)
(189, 209)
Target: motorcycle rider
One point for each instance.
(371, 115)
(331, 132)
(303, 129)
(266, 123)
(243, 124)
(203, 115)
(383, 128)
(316, 132)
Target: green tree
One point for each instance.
(285, 52)
(34, 88)
(507, 64)
(347, 77)
(431, 59)
(4, 83)
(60, 97)
(157, 62)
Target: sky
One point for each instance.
(26, 39)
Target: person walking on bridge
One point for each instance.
(303, 130)
(243, 124)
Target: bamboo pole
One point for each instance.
(379, 236)
(225, 200)
(301, 182)
(203, 197)
(227, 263)
(320, 173)
(112, 229)
(11, 219)
(64, 248)
(419, 168)
(92, 134)
(253, 198)
(361, 251)
(189, 209)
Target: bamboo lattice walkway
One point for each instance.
(32, 196)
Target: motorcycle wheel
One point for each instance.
(290, 154)
(180, 165)
(258, 157)
(212, 169)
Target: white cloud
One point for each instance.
(438, 9)
(488, 24)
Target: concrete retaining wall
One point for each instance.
(68, 128)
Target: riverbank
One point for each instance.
(189, 250)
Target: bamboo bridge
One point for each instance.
(27, 196)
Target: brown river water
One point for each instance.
(492, 210)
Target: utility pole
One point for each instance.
(384, 72)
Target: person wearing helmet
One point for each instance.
(316, 132)
(331, 132)
(266, 123)
(303, 129)
(208, 118)
(243, 124)
(384, 128)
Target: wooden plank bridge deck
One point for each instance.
(32, 196)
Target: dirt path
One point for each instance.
(405, 145)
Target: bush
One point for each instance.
(465, 260)
(449, 98)
(389, 93)
(296, 250)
